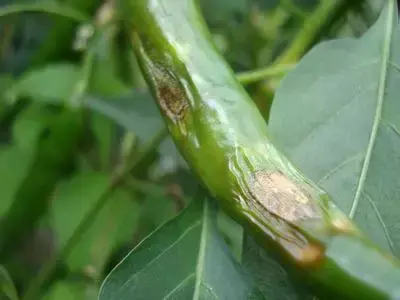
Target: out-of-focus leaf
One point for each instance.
(70, 290)
(50, 51)
(337, 117)
(29, 126)
(217, 12)
(104, 132)
(113, 224)
(158, 207)
(105, 79)
(7, 289)
(5, 82)
(50, 84)
(72, 201)
(44, 6)
(188, 249)
(136, 112)
(15, 165)
(49, 161)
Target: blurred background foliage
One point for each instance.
(75, 115)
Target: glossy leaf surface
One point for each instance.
(184, 259)
(337, 117)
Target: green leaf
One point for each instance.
(337, 117)
(7, 289)
(15, 165)
(271, 278)
(105, 79)
(104, 132)
(232, 233)
(50, 84)
(30, 175)
(49, 7)
(113, 224)
(136, 112)
(70, 290)
(29, 126)
(184, 259)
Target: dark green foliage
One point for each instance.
(88, 171)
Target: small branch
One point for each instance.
(310, 30)
(119, 177)
(293, 9)
(260, 74)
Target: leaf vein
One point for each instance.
(378, 113)
(190, 228)
(380, 219)
(339, 166)
(179, 285)
(333, 115)
(201, 257)
(392, 127)
(208, 287)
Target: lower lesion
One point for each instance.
(283, 197)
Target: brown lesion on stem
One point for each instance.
(287, 204)
(170, 94)
(282, 197)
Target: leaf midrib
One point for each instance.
(202, 249)
(378, 113)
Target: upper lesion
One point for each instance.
(170, 94)
(283, 197)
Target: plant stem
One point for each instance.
(119, 177)
(310, 30)
(259, 74)
(293, 9)
(59, 10)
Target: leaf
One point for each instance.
(50, 7)
(104, 132)
(69, 290)
(135, 112)
(7, 288)
(50, 84)
(29, 126)
(271, 278)
(232, 233)
(73, 199)
(138, 113)
(15, 165)
(184, 259)
(113, 224)
(31, 174)
(105, 79)
(337, 117)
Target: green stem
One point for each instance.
(293, 9)
(310, 30)
(120, 175)
(260, 74)
(58, 10)
(224, 139)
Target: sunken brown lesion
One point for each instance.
(172, 102)
(170, 94)
(283, 197)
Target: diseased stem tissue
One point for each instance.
(224, 139)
